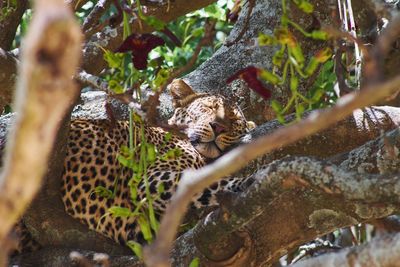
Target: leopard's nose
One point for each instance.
(217, 127)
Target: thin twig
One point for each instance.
(92, 22)
(153, 102)
(374, 63)
(100, 84)
(252, 3)
(194, 182)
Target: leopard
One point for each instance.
(211, 125)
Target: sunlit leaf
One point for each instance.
(323, 54)
(319, 35)
(266, 39)
(311, 67)
(269, 76)
(116, 211)
(103, 192)
(145, 228)
(136, 248)
(195, 262)
(116, 87)
(294, 83)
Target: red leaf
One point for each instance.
(140, 45)
(250, 76)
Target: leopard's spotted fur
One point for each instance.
(211, 124)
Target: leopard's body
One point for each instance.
(211, 124)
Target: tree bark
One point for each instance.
(10, 23)
(45, 93)
(8, 74)
(383, 251)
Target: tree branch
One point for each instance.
(44, 94)
(9, 24)
(383, 251)
(195, 181)
(321, 196)
(8, 69)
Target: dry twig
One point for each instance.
(250, 8)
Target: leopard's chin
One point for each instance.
(208, 149)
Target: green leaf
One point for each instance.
(317, 95)
(160, 188)
(305, 6)
(311, 67)
(153, 221)
(276, 106)
(171, 154)
(136, 248)
(195, 262)
(154, 22)
(294, 83)
(114, 60)
(197, 32)
(323, 55)
(319, 35)
(151, 153)
(145, 228)
(270, 77)
(266, 39)
(161, 78)
(103, 192)
(299, 110)
(136, 118)
(298, 54)
(280, 118)
(116, 87)
(124, 150)
(116, 211)
(214, 11)
(277, 59)
(167, 136)
(133, 191)
(124, 161)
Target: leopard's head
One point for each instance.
(211, 123)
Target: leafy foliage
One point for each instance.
(290, 62)
(9, 7)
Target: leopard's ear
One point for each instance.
(251, 125)
(181, 92)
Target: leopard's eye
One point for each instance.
(232, 114)
(211, 105)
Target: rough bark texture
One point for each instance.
(211, 76)
(252, 227)
(45, 93)
(10, 23)
(383, 251)
(319, 197)
(8, 74)
(49, 229)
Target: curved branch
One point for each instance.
(44, 94)
(195, 181)
(320, 196)
(383, 251)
